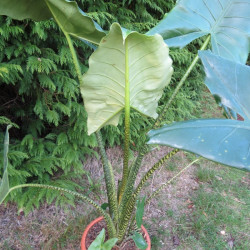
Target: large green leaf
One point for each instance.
(224, 141)
(143, 60)
(228, 80)
(226, 20)
(4, 182)
(66, 13)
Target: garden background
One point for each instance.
(49, 144)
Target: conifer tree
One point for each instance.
(40, 96)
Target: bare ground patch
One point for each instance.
(45, 228)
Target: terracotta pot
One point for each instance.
(100, 219)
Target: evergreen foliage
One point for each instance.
(40, 95)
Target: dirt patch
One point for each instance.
(42, 228)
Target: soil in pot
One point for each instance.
(96, 229)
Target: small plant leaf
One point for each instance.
(140, 212)
(226, 21)
(109, 244)
(221, 140)
(66, 13)
(104, 206)
(4, 182)
(139, 241)
(147, 70)
(98, 242)
(229, 81)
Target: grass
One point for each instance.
(72, 234)
(222, 211)
(218, 216)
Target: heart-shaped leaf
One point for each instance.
(139, 60)
(228, 80)
(66, 13)
(220, 140)
(226, 20)
(4, 182)
(139, 241)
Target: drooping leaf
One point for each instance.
(226, 20)
(221, 140)
(139, 241)
(148, 69)
(228, 80)
(66, 13)
(4, 182)
(139, 212)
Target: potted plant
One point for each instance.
(128, 71)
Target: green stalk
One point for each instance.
(71, 47)
(107, 168)
(182, 81)
(156, 192)
(74, 57)
(154, 168)
(109, 180)
(168, 182)
(131, 179)
(129, 205)
(109, 222)
(127, 125)
(125, 216)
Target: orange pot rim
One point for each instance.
(92, 223)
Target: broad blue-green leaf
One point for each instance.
(228, 80)
(139, 212)
(4, 182)
(221, 140)
(226, 20)
(143, 60)
(139, 241)
(66, 13)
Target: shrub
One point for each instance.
(40, 93)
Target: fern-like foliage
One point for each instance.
(40, 94)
